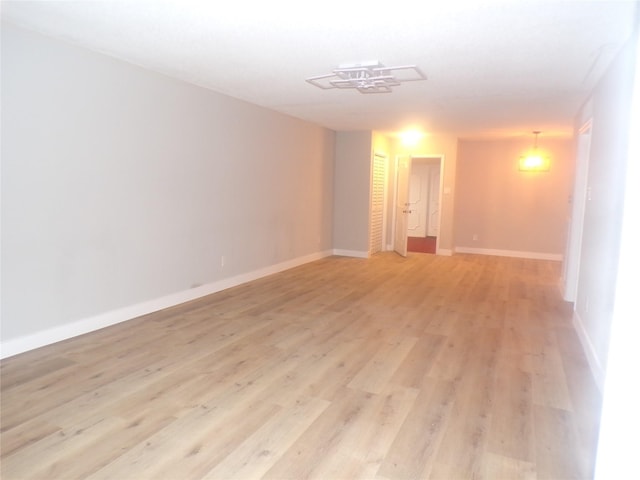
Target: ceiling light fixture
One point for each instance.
(367, 77)
(534, 161)
(411, 138)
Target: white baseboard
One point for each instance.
(355, 253)
(350, 253)
(594, 364)
(510, 253)
(46, 337)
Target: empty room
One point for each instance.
(336, 240)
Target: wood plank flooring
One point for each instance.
(429, 367)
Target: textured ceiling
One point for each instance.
(494, 68)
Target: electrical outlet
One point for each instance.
(475, 237)
(221, 261)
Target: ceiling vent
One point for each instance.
(367, 77)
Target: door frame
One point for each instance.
(573, 248)
(419, 156)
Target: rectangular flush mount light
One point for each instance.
(367, 77)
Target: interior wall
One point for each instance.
(120, 185)
(380, 143)
(447, 146)
(610, 103)
(620, 421)
(499, 208)
(352, 185)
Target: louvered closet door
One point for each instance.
(377, 204)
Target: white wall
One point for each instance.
(511, 212)
(620, 422)
(352, 183)
(611, 102)
(120, 185)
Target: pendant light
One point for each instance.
(534, 161)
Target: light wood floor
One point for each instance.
(430, 367)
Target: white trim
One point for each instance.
(46, 337)
(510, 253)
(350, 253)
(589, 351)
(444, 251)
(573, 249)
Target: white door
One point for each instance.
(418, 200)
(434, 201)
(402, 205)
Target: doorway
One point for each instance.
(417, 214)
(424, 205)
